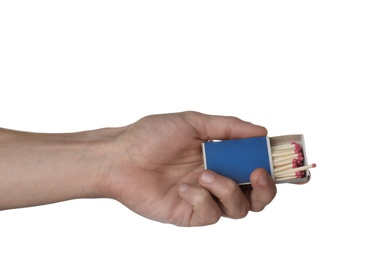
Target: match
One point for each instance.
(288, 161)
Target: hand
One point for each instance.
(159, 173)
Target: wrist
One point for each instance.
(104, 154)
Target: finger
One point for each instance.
(233, 202)
(205, 209)
(228, 127)
(264, 190)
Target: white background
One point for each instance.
(318, 68)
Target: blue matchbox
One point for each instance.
(237, 158)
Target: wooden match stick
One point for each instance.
(293, 156)
(289, 175)
(285, 162)
(288, 178)
(286, 152)
(292, 145)
(298, 169)
(285, 167)
(298, 173)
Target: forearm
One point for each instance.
(38, 169)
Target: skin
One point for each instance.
(153, 166)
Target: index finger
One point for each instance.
(229, 127)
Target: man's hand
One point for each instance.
(158, 170)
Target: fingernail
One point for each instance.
(208, 177)
(263, 179)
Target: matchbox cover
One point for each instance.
(237, 158)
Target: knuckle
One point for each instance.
(260, 205)
(257, 208)
(229, 190)
(263, 199)
(214, 218)
(201, 197)
(267, 195)
(212, 215)
(242, 211)
(235, 205)
(271, 195)
(210, 218)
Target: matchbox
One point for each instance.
(284, 157)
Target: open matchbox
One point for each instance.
(237, 158)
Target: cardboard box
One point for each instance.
(237, 158)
